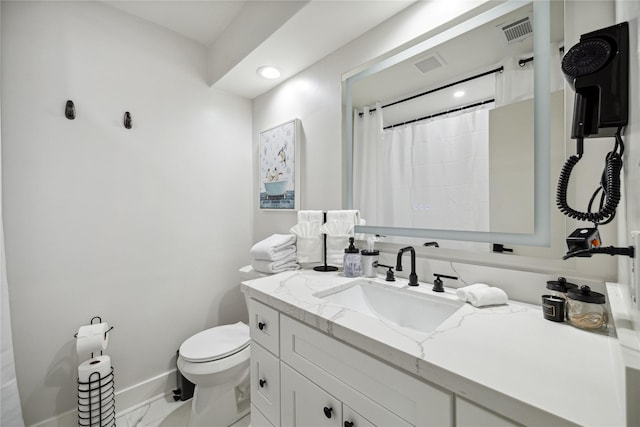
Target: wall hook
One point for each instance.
(127, 120)
(70, 110)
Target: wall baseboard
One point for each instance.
(127, 400)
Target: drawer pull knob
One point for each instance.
(348, 424)
(327, 412)
(262, 382)
(261, 325)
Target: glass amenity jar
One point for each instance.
(586, 309)
(560, 287)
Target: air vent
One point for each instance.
(428, 64)
(518, 31)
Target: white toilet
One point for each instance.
(217, 362)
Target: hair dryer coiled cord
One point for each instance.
(609, 185)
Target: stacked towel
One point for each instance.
(274, 254)
(308, 237)
(480, 295)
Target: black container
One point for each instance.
(185, 387)
(560, 287)
(553, 308)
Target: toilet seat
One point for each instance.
(215, 343)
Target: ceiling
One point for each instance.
(242, 35)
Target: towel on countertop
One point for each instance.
(487, 296)
(463, 293)
(264, 266)
(274, 248)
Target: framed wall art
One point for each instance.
(279, 166)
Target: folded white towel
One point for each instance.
(264, 266)
(335, 249)
(487, 296)
(274, 248)
(463, 293)
(308, 241)
(350, 216)
(310, 216)
(337, 228)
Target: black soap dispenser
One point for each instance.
(352, 262)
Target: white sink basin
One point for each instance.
(398, 306)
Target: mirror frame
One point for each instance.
(542, 130)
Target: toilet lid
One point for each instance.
(215, 343)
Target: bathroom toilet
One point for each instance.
(217, 362)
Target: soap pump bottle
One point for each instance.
(352, 262)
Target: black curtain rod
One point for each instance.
(453, 110)
(477, 76)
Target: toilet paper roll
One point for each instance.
(92, 339)
(101, 365)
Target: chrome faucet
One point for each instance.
(413, 277)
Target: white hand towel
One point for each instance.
(274, 248)
(308, 241)
(274, 266)
(335, 249)
(350, 216)
(463, 293)
(487, 296)
(310, 216)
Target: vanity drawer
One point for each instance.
(265, 383)
(328, 362)
(265, 327)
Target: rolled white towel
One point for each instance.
(463, 293)
(274, 248)
(487, 296)
(275, 266)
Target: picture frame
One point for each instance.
(279, 167)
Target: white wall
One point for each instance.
(630, 12)
(144, 227)
(315, 97)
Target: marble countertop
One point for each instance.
(506, 358)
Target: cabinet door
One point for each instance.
(471, 415)
(306, 405)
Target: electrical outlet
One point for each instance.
(635, 267)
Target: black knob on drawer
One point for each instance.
(348, 424)
(327, 412)
(261, 325)
(262, 382)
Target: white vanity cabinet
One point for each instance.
(316, 372)
(469, 414)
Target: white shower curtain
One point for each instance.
(10, 410)
(367, 139)
(432, 174)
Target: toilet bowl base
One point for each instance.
(216, 407)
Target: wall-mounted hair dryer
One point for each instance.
(598, 69)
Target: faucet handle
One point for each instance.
(438, 286)
(390, 276)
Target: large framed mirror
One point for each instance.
(452, 137)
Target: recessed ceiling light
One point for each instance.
(458, 93)
(268, 72)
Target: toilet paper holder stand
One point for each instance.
(100, 393)
(99, 320)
